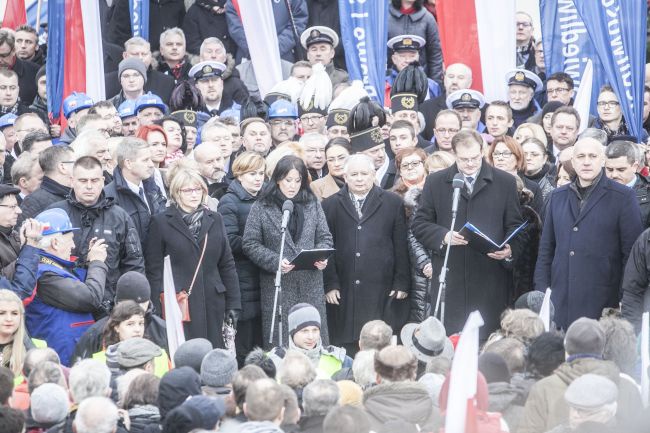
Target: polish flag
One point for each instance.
(482, 35)
(15, 14)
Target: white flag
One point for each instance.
(464, 375)
(582, 101)
(545, 310)
(173, 317)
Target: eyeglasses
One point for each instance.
(190, 191)
(609, 104)
(468, 161)
(450, 131)
(524, 25)
(311, 119)
(558, 91)
(9, 206)
(504, 154)
(410, 165)
(278, 122)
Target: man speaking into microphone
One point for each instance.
(488, 199)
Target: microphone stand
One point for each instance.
(442, 278)
(277, 302)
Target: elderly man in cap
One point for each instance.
(320, 43)
(75, 106)
(61, 307)
(304, 336)
(468, 104)
(207, 76)
(138, 352)
(131, 286)
(132, 75)
(405, 50)
(522, 86)
(584, 344)
(149, 108)
(130, 122)
(427, 340)
(282, 118)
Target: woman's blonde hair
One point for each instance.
(438, 160)
(282, 150)
(537, 130)
(183, 176)
(247, 162)
(15, 352)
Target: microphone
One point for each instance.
(457, 183)
(287, 208)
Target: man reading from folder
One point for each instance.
(488, 200)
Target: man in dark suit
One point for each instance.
(489, 200)
(590, 227)
(368, 226)
(25, 70)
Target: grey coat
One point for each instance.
(261, 244)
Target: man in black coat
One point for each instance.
(97, 216)
(371, 263)
(205, 19)
(56, 163)
(133, 187)
(489, 200)
(25, 70)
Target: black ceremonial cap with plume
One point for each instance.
(364, 125)
(411, 80)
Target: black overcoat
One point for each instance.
(371, 259)
(216, 288)
(474, 281)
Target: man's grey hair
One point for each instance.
(363, 368)
(22, 167)
(84, 143)
(375, 334)
(45, 372)
(96, 415)
(597, 134)
(174, 31)
(359, 158)
(313, 137)
(210, 125)
(49, 403)
(89, 378)
(37, 356)
(138, 41)
(319, 397)
(620, 343)
(45, 242)
(208, 41)
(128, 148)
(619, 148)
(296, 370)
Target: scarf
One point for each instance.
(172, 157)
(13, 109)
(313, 354)
(177, 70)
(193, 221)
(340, 182)
(537, 177)
(419, 184)
(297, 216)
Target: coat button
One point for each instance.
(357, 282)
(572, 254)
(575, 229)
(358, 254)
(358, 227)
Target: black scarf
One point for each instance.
(537, 177)
(193, 220)
(340, 182)
(297, 216)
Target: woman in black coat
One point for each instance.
(182, 232)
(234, 206)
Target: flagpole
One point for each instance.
(38, 14)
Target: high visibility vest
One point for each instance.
(161, 363)
(328, 365)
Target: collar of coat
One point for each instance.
(484, 177)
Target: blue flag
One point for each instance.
(139, 12)
(364, 32)
(574, 31)
(55, 56)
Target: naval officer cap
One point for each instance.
(406, 43)
(318, 35)
(207, 69)
(465, 98)
(523, 77)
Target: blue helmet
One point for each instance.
(75, 102)
(55, 221)
(283, 108)
(149, 100)
(126, 109)
(7, 120)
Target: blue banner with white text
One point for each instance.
(139, 13)
(364, 33)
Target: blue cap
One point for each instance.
(75, 102)
(126, 109)
(149, 100)
(234, 112)
(7, 120)
(283, 108)
(55, 221)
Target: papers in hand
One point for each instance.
(306, 259)
(482, 242)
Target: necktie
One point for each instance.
(470, 183)
(358, 204)
(143, 197)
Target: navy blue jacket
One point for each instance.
(583, 252)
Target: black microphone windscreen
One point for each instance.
(459, 181)
(287, 205)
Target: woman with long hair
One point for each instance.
(12, 332)
(307, 229)
(337, 152)
(156, 136)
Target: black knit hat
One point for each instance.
(133, 286)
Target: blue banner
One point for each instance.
(139, 12)
(55, 56)
(574, 31)
(364, 33)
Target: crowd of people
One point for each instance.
(189, 189)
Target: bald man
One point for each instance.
(458, 76)
(590, 227)
(210, 159)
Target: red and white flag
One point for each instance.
(15, 14)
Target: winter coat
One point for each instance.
(524, 267)
(259, 427)
(49, 192)
(283, 25)
(18, 266)
(202, 22)
(163, 15)
(107, 221)
(142, 416)
(370, 261)
(234, 207)
(326, 13)
(474, 280)
(583, 252)
(139, 211)
(430, 109)
(39, 106)
(420, 23)
(642, 190)
(26, 72)
(234, 89)
(312, 424)
(636, 281)
(324, 187)
(546, 408)
(508, 401)
(68, 135)
(157, 83)
(261, 243)
(419, 258)
(216, 288)
(404, 401)
(60, 311)
(164, 68)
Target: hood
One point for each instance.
(412, 198)
(259, 427)
(176, 386)
(408, 401)
(569, 371)
(236, 188)
(502, 396)
(230, 66)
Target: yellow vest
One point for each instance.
(160, 363)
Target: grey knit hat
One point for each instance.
(136, 351)
(191, 353)
(301, 316)
(132, 63)
(591, 391)
(218, 368)
(584, 336)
